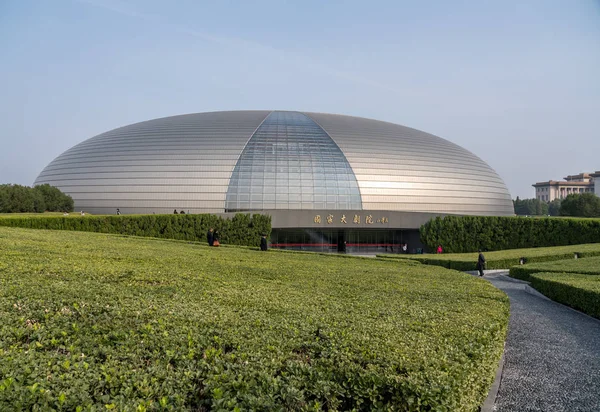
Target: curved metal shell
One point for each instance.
(187, 163)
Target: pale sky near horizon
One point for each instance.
(515, 82)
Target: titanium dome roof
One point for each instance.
(267, 160)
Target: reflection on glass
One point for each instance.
(290, 155)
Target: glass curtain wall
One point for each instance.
(292, 163)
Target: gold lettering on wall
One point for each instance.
(369, 220)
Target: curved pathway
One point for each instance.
(552, 355)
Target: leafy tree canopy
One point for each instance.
(581, 205)
(25, 199)
(530, 207)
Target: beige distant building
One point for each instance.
(559, 189)
(596, 176)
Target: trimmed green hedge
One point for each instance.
(242, 229)
(588, 266)
(470, 233)
(91, 321)
(501, 259)
(579, 291)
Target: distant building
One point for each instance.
(596, 177)
(559, 189)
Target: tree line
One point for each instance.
(37, 199)
(575, 205)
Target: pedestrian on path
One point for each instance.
(480, 263)
(439, 249)
(210, 237)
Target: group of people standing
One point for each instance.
(212, 237)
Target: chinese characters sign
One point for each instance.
(356, 219)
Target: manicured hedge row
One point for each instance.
(579, 291)
(98, 322)
(450, 264)
(588, 266)
(471, 233)
(523, 272)
(501, 259)
(242, 229)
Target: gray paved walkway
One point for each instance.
(552, 355)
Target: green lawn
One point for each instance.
(502, 259)
(589, 266)
(98, 322)
(579, 291)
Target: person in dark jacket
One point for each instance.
(263, 243)
(210, 237)
(480, 263)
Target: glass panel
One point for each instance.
(291, 156)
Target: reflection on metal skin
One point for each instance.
(262, 160)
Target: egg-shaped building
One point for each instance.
(308, 170)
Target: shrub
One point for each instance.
(102, 322)
(589, 266)
(242, 229)
(579, 291)
(502, 259)
(471, 233)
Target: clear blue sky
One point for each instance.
(516, 82)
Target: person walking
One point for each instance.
(263, 243)
(480, 263)
(439, 249)
(210, 237)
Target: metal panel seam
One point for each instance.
(344, 154)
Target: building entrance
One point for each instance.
(360, 241)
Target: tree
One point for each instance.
(530, 207)
(554, 207)
(17, 199)
(521, 207)
(581, 205)
(25, 199)
(56, 201)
